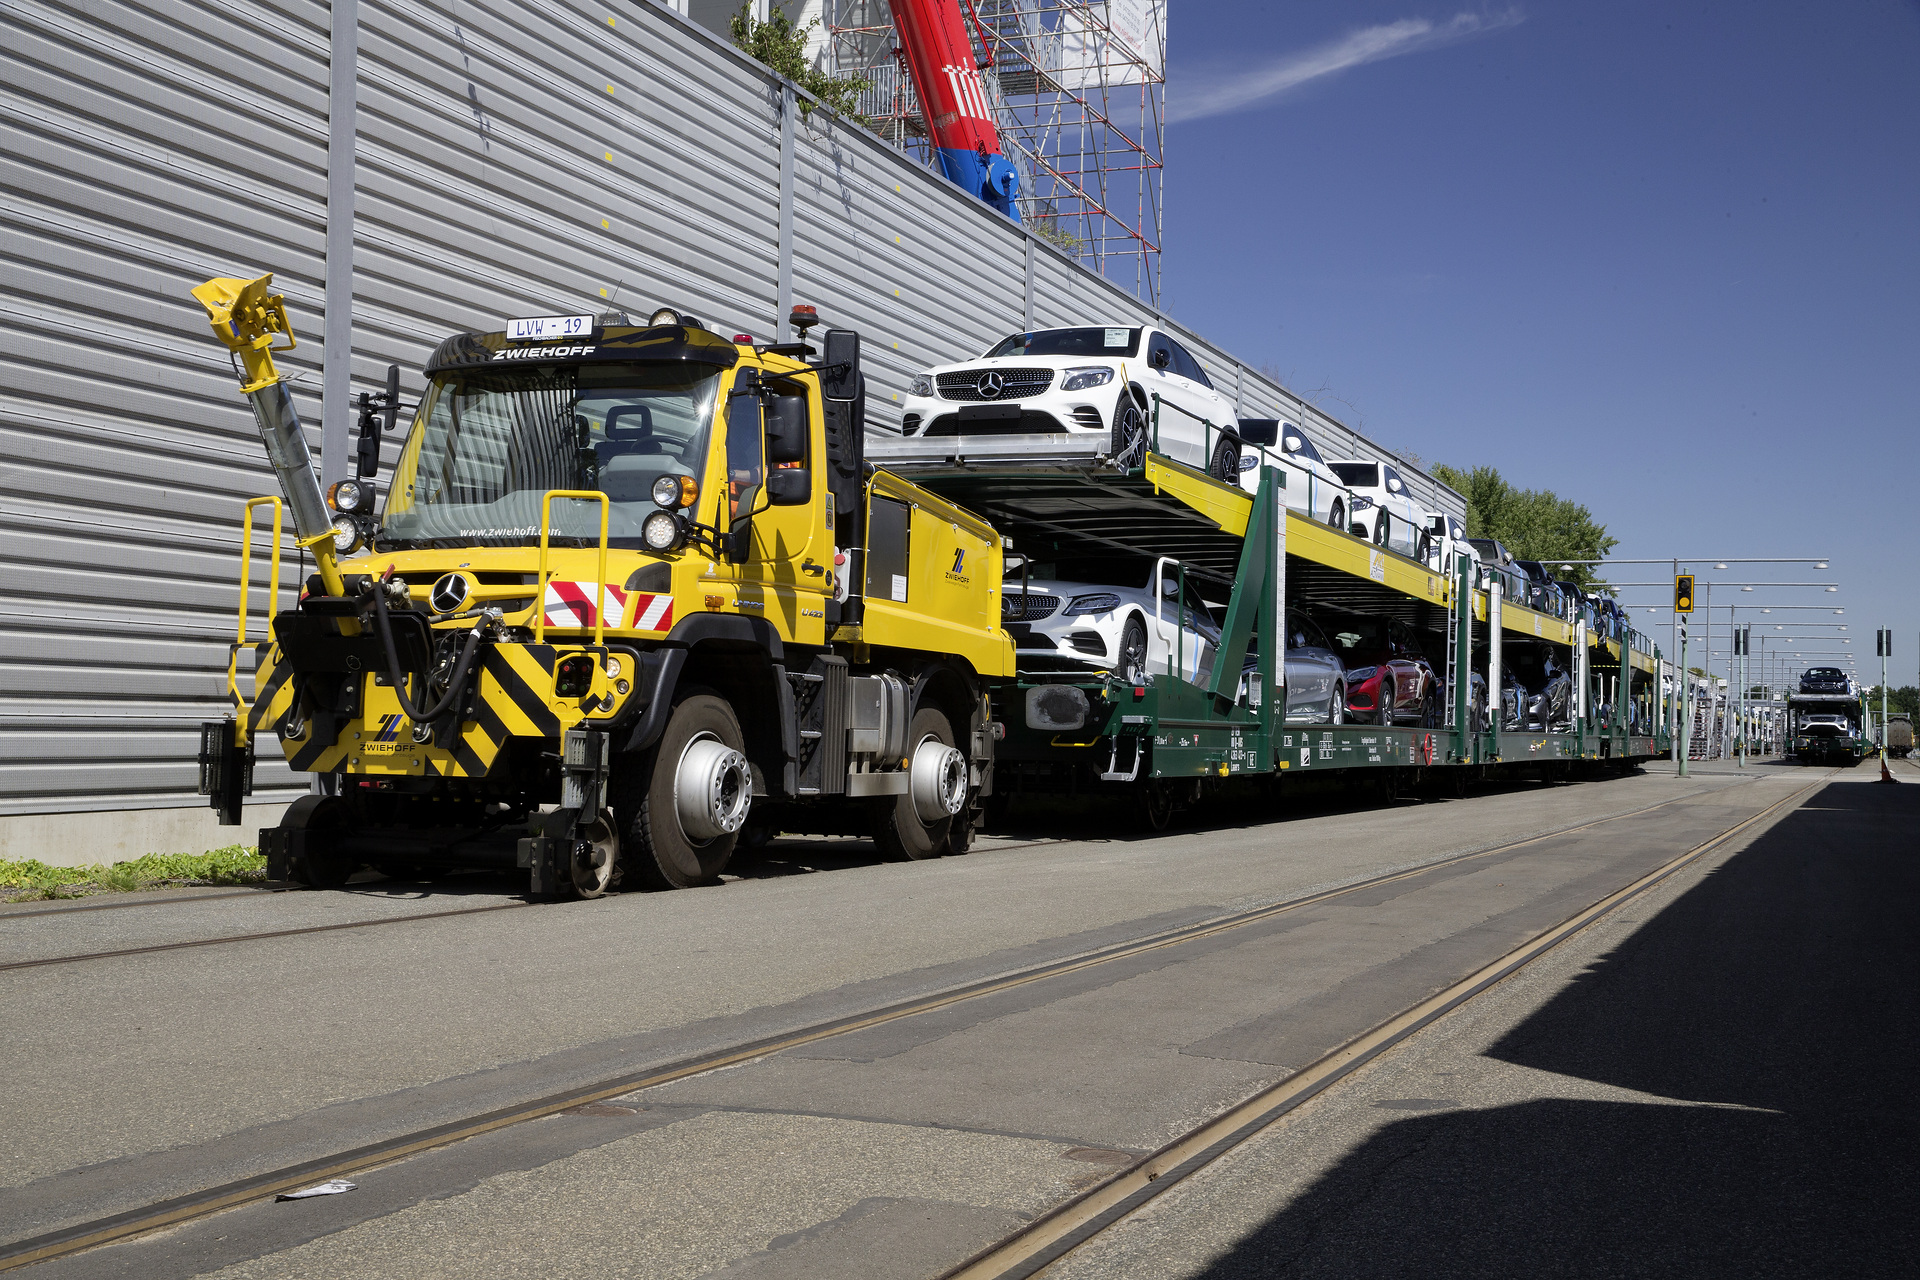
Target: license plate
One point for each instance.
(540, 328)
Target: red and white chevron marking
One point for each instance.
(570, 604)
(652, 612)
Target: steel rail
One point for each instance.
(1057, 1233)
(191, 943)
(212, 1200)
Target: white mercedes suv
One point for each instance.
(1383, 511)
(1070, 615)
(1088, 380)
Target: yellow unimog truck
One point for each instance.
(631, 596)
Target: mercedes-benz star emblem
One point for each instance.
(990, 386)
(449, 593)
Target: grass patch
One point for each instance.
(236, 864)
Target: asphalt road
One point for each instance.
(894, 1150)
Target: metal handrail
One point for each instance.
(246, 590)
(600, 584)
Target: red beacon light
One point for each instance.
(744, 339)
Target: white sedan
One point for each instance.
(1383, 511)
(1103, 614)
(1090, 380)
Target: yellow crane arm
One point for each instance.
(246, 316)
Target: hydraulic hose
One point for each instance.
(455, 686)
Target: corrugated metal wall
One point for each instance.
(512, 159)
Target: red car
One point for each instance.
(1389, 680)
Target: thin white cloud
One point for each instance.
(1371, 44)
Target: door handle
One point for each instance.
(808, 566)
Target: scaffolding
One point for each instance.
(1078, 93)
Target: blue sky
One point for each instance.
(1662, 258)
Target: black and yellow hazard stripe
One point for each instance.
(514, 700)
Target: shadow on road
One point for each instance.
(1771, 1013)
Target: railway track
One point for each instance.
(1021, 1254)
(267, 934)
(1057, 1233)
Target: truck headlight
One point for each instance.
(666, 492)
(351, 495)
(348, 534)
(1102, 602)
(922, 385)
(1081, 379)
(661, 531)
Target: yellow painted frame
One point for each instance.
(600, 582)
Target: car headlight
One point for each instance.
(1101, 602)
(348, 535)
(1359, 503)
(661, 531)
(922, 385)
(1081, 379)
(1360, 675)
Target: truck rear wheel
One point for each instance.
(920, 824)
(681, 805)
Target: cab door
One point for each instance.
(783, 575)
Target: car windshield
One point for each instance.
(488, 443)
(1294, 441)
(1358, 637)
(1358, 475)
(1092, 341)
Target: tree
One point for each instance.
(1534, 524)
(783, 48)
(1905, 698)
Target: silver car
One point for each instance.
(1316, 678)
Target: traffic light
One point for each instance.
(1883, 644)
(1683, 593)
(1741, 639)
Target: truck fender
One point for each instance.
(655, 674)
(706, 627)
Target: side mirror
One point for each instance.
(1160, 358)
(376, 418)
(1169, 588)
(842, 355)
(787, 429)
(789, 487)
(1292, 444)
(1260, 430)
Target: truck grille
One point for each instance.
(1015, 607)
(1015, 383)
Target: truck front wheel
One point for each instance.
(681, 805)
(920, 824)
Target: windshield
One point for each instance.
(1359, 475)
(1069, 342)
(1825, 673)
(487, 443)
(1359, 637)
(1293, 440)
